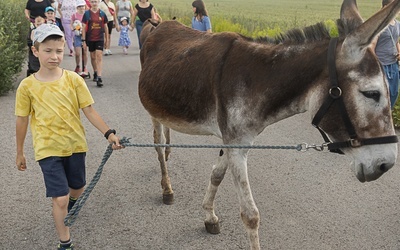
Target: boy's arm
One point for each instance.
(21, 129)
(95, 119)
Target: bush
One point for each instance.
(13, 33)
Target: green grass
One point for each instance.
(269, 14)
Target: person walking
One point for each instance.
(51, 99)
(67, 8)
(200, 21)
(78, 44)
(35, 8)
(124, 8)
(144, 10)
(124, 39)
(58, 14)
(387, 49)
(94, 29)
(108, 7)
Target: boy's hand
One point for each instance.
(114, 140)
(21, 162)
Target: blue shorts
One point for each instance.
(62, 173)
(77, 41)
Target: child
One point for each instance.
(94, 29)
(53, 97)
(124, 39)
(76, 18)
(200, 21)
(33, 61)
(49, 12)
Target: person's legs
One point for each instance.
(392, 76)
(56, 181)
(99, 61)
(85, 57)
(107, 42)
(59, 213)
(68, 33)
(139, 25)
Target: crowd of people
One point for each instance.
(50, 94)
(79, 20)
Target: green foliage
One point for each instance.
(13, 33)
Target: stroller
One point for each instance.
(33, 61)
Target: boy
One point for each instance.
(94, 29)
(53, 97)
(50, 16)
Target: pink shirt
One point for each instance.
(68, 8)
(77, 16)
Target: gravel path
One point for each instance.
(306, 200)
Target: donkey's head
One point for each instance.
(356, 113)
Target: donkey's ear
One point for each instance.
(362, 35)
(349, 14)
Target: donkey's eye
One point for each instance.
(372, 94)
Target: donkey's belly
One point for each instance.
(208, 127)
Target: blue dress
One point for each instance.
(124, 39)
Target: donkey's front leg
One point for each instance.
(248, 209)
(168, 193)
(217, 175)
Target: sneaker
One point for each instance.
(99, 82)
(70, 247)
(77, 69)
(95, 78)
(106, 52)
(85, 72)
(109, 52)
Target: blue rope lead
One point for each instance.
(73, 213)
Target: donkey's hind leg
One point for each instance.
(217, 175)
(168, 193)
(167, 135)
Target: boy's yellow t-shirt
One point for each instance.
(56, 126)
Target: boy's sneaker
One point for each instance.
(95, 77)
(77, 69)
(99, 82)
(68, 247)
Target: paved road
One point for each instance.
(307, 200)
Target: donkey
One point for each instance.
(233, 87)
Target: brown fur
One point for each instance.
(233, 87)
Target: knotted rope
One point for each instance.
(73, 213)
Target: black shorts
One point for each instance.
(95, 45)
(110, 26)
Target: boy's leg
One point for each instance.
(59, 213)
(78, 59)
(93, 60)
(99, 62)
(73, 196)
(84, 58)
(57, 187)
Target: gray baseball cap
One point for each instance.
(46, 30)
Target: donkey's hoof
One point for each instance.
(168, 199)
(212, 228)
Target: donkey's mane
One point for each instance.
(316, 32)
